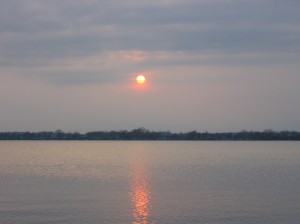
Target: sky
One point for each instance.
(210, 65)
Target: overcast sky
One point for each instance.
(211, 65)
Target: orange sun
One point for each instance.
(140, 79)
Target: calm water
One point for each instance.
(149, 182)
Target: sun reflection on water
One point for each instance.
(140, 194)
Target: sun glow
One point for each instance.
(140, 79)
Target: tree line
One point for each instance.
(144, 134)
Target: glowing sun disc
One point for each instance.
(140, 79)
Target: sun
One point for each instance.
(140, 79)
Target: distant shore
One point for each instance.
(144, 134)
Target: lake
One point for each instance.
(141, 182)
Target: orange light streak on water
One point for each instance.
(140, 195)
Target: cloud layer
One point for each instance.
(99, 41)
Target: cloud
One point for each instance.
(100, 41)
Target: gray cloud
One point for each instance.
(38, 34)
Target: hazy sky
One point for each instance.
(211, 65)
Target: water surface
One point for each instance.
(145, 182)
